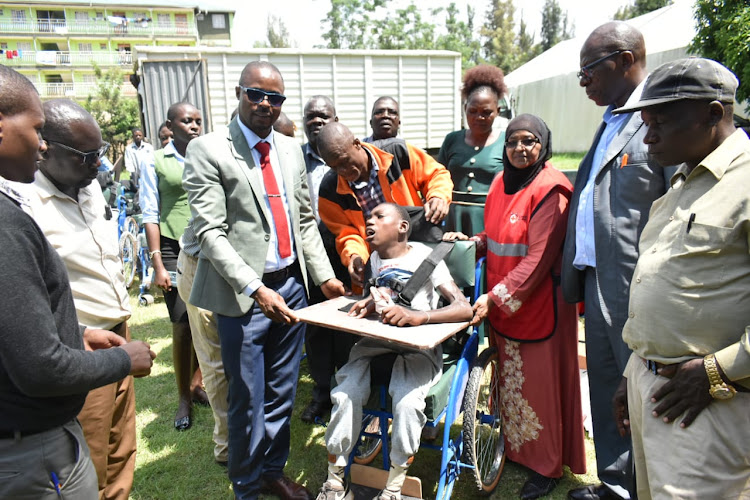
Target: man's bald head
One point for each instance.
(177, 109)
(613, 63)
(334, 138)
(343, 152)
(69, 126)
(257, 66)
(619, 35)
(62, 116)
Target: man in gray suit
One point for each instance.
(614, 189)
(258, 241)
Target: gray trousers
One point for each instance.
(414, 373)
(606, 358)
(27, 465)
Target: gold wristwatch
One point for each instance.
(718, 389)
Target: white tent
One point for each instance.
(547, 85)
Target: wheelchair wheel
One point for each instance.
(369, 447)
(145, 300)
(131, 226)
(484, 443)
(128, 255)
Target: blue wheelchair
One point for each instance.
(468, 389)
(127, 234)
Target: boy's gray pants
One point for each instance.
(414, 373)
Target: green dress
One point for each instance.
(472, 169)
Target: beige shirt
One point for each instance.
(690, 294)
(87, 243)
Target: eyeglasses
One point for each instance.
(89, 157)
(256, 96)
(586, 71)
(526, 143)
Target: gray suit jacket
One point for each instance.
(225, 191)
(622, 200)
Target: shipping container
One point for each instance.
(425, 83)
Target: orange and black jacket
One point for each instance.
(407, 175)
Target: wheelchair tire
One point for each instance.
(128, 256)
(484, 442)
(131, 226)
(369, 447)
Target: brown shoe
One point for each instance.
(285, 489)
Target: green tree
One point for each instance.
(554, 25)
(499, 38)
(459, 36)
(527, 50)
(278, 35)
(115, 113)
(405, 29)
(349, 24)
(723, 34)
(639, 7)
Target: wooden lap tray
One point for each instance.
(329, 314)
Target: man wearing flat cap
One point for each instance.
(688, 379)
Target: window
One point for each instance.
(82, 16)
(3, 45)
(89, 78)
(139, 16)
(18, 15)
(100, 16)
(103, 46)
(23, 45)
(181, 23)
(164, 20)
(85, 47)
(218, 21)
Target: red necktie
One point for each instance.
(274, 199)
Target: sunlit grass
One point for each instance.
(180, 465)
(566, 161)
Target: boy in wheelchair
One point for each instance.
(393, 261)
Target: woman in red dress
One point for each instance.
(534, 330)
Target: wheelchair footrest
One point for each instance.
(366, 482)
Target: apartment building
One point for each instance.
(57, 44)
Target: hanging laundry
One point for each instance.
(15, 53)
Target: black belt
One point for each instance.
(281, 274)
(18, 434)
(654, 366)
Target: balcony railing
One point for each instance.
(76, 90)
(77, 59)
(97, 27)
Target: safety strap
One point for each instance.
(423, 272)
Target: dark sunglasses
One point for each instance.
(256, 96)
(527, 143)
(89, 157)
(586, 71)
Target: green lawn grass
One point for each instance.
(180, 465)
(566, 161)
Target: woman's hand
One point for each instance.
(455, 236)
(481, 309)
